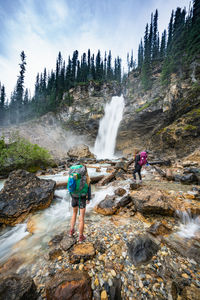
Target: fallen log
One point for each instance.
(107, 179)
(61, 184)
(95, 179)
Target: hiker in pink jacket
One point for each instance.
(140, 160)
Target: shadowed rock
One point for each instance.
(23, 193)
(17, 288)
(142, 249)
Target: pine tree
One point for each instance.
(155, 46)
(163, 45)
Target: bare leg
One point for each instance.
(81, 221)
(73, 219)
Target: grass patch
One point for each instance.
(146, 105)
(190, 127)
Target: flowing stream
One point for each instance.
(106, 139)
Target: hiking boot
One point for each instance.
(82, 238)
(71, 232)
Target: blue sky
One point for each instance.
(42, 28)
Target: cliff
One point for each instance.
(163, 119)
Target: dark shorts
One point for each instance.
(75, 202)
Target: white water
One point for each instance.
(190, 226)
(106, 139)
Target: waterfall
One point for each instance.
(106, 139)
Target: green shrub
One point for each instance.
(20, 153)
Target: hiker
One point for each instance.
(140, 160)
(80, 196)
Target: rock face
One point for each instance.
(23, 193)
(17, 288)
(69, 285)
(80, 151)
(163, 119)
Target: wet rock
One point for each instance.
(80, 151)
(107, 179)
(67, 243)
(120, 192)
(95, 179)
(23, 193)
(69, 285)
(108, 206)
(56, 239)
(17, 288)
(158, 228)
(83, 252)
(141, 249)
(189, 178)
(122, 165)
(54, 253)
(125, 201)
(186, 247)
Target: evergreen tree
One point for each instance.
(163, 45)
(155, 46)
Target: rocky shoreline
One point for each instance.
(132, 250)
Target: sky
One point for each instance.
(42, 28)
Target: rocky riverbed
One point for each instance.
(134, 252)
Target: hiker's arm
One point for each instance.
(89, 192)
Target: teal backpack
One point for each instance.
(77, 182)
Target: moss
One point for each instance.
(190, 127)
(146, 105)
(161, 131)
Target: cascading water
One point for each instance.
(189, 226)
(106, 139)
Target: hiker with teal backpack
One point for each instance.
(80, 190)
(140, 160)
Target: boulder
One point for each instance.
(141, 249)
(23, 193)
(80, 252)
(150, 202)
(108, 206)
(124, 201)
(69, 285)
(80, 151)
(159, 228)
(15, 287)
(120, 192)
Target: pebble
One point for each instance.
(104, 295)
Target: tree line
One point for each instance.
(50, 87)
(174, 51)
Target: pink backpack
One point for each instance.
(143, 159)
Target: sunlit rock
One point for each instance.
(80, 151)
(69, 284)
(108, 206)
(158, 228)
(80, 252)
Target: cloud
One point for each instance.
(43, 28)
